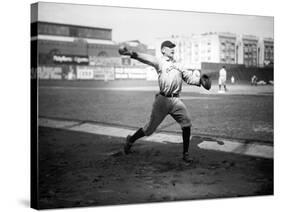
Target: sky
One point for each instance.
(147, 24)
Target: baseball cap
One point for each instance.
(168, 44)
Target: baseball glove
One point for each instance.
(124, 51)
(206, 81)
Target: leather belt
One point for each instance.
(170, 95)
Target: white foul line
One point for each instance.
(251, 149)
(258, 150)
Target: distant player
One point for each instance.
(170, 77)
(222, 79)
(254, 80)
(232, 80)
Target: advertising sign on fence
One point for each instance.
(120, 74)
(85, 72)
(130, 73)
(45, 72)
(103, 73)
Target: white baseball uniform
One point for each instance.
(170, 77)
(222, 77)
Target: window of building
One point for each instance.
(50, 29)
(102, 54)
(73, 32)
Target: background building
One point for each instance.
(222, 48)
(207, 47)
(250, 50)
(267, 52)
(213, 48)
(227, 48)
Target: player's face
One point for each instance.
(169, 52)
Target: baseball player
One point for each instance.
(170, 77)
(254, 80)
(222, 79)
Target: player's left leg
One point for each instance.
(131, 139)
(159, 111)
(181, 115)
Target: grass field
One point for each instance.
(245, 112)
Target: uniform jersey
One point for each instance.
(171, 75)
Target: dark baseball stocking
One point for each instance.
(138, 134)
(186, 139)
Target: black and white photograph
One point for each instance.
(136, 105)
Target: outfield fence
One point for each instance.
(107, 73)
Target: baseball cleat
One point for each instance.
(187, 159)
(128, 145)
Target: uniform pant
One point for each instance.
(163, 106)
(222, 81)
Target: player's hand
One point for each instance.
(206, 81)
(124, 51)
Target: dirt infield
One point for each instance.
(79, 169)
(245, 112)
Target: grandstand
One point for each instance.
(67, 51)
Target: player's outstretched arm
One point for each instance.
(191, 77)
(144, 58)
(194, 77)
